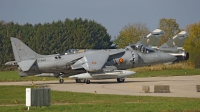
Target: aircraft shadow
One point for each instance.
(115, 82)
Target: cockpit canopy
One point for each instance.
(141, 48)
(73, 51)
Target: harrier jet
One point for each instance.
(84, 64)
(173, 46)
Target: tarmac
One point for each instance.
(180, 86)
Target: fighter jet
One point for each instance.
(131, 58)
(173, 46)
(87, 64)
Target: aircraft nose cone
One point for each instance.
(167, 57)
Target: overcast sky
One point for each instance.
(112, 14)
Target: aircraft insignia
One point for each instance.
(121, 60)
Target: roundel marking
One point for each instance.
(121, 60)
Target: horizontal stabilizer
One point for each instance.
(26, 64)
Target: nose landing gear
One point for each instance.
(61, 80)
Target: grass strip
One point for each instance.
(12, 98)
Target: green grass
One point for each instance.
(72, 101)
(12, 98)
(123, 107)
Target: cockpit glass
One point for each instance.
(73, 51)
(134, 47)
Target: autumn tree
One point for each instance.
(131, 33)
(170, 28)
(192, 44)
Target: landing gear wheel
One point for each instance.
(87, 81)
(120, 80)
(61, 80)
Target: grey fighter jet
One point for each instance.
(173, 46)
(87, 64)
(131, 58)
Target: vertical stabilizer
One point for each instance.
(22, 51)
(152, 39)
(175, 43)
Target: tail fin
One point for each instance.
(22, 51)
(151, 40)
(175, 43)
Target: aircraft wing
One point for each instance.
(94, 61)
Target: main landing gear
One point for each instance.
(120, 80)
(87, 81)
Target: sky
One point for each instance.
(112, 14)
